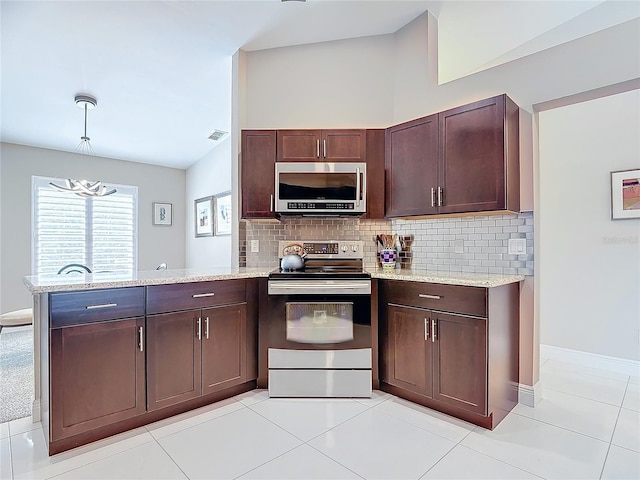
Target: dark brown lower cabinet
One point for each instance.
(97, 375)
(462, 363)
(194, 353)
(224, 347)
(173, 358)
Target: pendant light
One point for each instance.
(85, 188)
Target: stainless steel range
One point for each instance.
(319, 323)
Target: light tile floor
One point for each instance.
(586, 427)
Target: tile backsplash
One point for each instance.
(483, 240)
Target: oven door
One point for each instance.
(317, 318)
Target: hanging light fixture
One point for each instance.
(85, 188)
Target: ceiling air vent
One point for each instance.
(217, 135)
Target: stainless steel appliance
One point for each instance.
(318, 330)
(321, 188)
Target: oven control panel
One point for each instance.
(323, 248)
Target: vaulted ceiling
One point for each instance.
(161, 70)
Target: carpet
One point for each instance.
(16, 372)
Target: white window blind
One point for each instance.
(99, 232)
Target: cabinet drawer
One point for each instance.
(185, 296)
(436, 296)
(89, 306)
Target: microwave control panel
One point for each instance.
(320, 206)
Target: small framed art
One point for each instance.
(223, 213)
(625, 194)
(162, 213)
(204, 216)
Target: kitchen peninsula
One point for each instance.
(167, 341)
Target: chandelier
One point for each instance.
(85, 188)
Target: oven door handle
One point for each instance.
(306, 287)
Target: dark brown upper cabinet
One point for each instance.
(462, 160)
(411, 166)
(261, 149)
(322, 145)
(257, 173)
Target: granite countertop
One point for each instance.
(486, 280)
(66, 283)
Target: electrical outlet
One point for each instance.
(458, 246)
(255, 246)
(517, 246)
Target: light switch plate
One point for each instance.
(517, 246)
(255, 246)
(458, 246)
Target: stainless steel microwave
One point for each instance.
(321, 188)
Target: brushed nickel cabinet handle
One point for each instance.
(199, 328)
(433, 197)
(433, 330)
(271, 202)
(426, 328)
(206, 329)
(202, 295)
(318, 148)
(104, 305)
(324, 148)
(433, 297)
(141, 343)
(440, 190)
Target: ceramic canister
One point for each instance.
(388, 258)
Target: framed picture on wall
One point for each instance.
(203, 216)
(223, 213)
(162, 213)
(625, 194)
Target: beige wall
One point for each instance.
(155, 184)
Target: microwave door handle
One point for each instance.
(358, 196)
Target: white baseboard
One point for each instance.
(592, 360)
(529, 395)
(35, 411)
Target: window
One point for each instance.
(99, 232)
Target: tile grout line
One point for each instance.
(313, 438)
(604, 463)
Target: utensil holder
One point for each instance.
(388, 258)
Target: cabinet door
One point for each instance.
(258, 173)
(411, 167)
(97, 375)
(408, 349)
(343, 146)
(299, 145)
(224, 347)
(472, 155)
(460, 362)
(173, 358)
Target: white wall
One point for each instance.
(155, 184)
(589, 265)
(604, 58)
(346, 83)
(209, 176)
